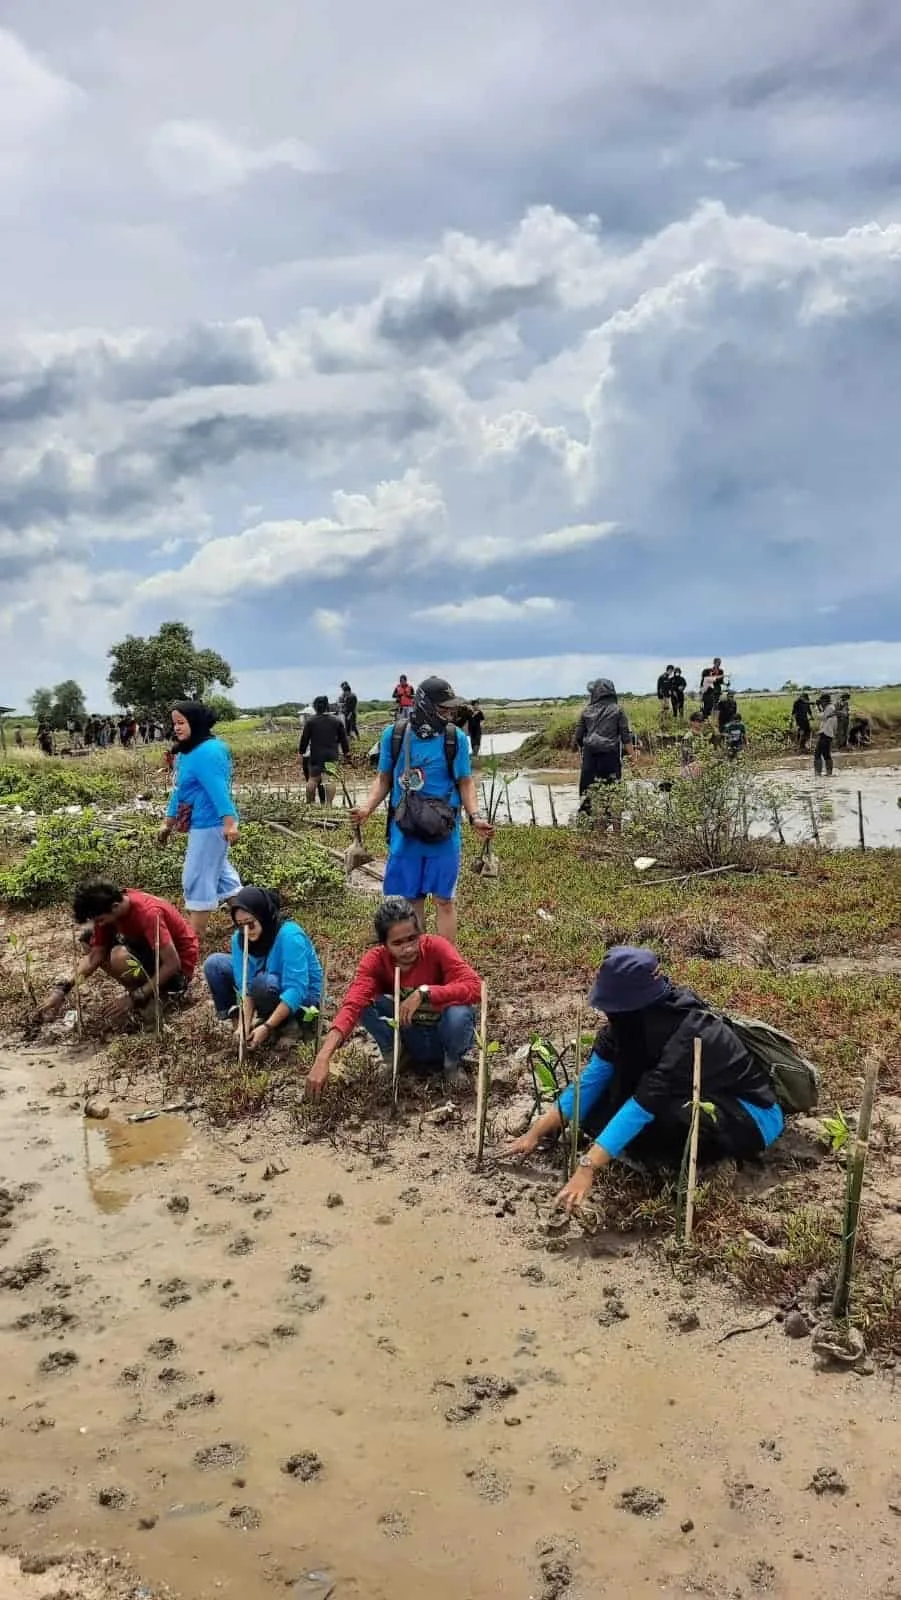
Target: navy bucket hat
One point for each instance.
(628, 980)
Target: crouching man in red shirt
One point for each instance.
(439, 994)
(127, 927)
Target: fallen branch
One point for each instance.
(707, 872)
(751, 1327)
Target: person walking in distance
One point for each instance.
(678, 686)
(822, 756)
(474, 727)
(322, 743)
(602, 735)
(425, 767)
(842, 720)
(347, 708)
(664, 691)
(802, 718)
(403, 695)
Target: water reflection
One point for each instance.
(113, 1149)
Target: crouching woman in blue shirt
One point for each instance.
(637, 1085)
(284, 975)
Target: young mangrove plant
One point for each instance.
(856, 1164)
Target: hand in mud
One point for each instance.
(52, 1007)
(317, 1078)
(358, 816)
(525, 1145)
(577, 1190)
(230, 830)
(258, 1036)
(409, 1008)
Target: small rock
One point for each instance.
(513, 1422)
(687, 1526)
(827, 1480)
(685, 1321)
(43, 1501)
(614, 1311)
(796, 1325)
(533, 1274)
(305, 1466)
(146, 1523)
(641, 1502)
(97, 1110)
(162, 1348)
(112, 1499)
(179, 1205)
(334, 1200)
(245, 1518)
(273, 1170)
(58, 1361)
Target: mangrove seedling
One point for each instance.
(857, 1160)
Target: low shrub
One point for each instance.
(69, 849)
(51, 786)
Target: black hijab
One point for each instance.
(266, 907)
(200, 719)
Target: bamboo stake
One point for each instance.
(507, 798)
(778, 823)
(395, 1062)
(575, 1128)
(532, 806)
(242, 1015)
(857, 1160)
(813, 820)
(156, 978)
(693, 1146)
(484, 1082)
(79, 1020)
(863, 842)
(323, 996)
(550, 795)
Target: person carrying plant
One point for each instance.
(424, 765)
(439, 994)
(323, 741)
(201, 805)
(127, 927)
(734, 734)
(664, 690)
(602, 735)
(637, 1085)
(284, 973)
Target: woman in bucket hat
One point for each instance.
(637, 1086)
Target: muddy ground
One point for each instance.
(365, 1375)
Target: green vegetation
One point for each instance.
(148, 675)
(59, 706)
(69, 849)
(51, 785)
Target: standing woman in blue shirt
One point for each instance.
(201, 805)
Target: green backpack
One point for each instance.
(795, 1080)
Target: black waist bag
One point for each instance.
(423, 817)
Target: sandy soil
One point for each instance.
(460, 1412)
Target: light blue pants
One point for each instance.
(208, 876)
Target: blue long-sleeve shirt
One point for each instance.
(203, 782)
(631, 1118)
(292, 961)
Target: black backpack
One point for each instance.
(423, 817)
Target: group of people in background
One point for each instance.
(96, 732)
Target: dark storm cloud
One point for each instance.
(204, 356)
(161, 457)
(448, 313)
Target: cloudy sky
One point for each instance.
(526, 341)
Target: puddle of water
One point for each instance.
(834, 800)
(87, 1164)
(113, 1149)
(503, 744)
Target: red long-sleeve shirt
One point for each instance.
(451, 981)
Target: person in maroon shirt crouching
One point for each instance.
(439, 994)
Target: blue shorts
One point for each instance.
(208, 876)
(416, 870)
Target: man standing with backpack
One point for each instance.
(424, 765)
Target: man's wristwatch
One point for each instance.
(425, 991)
(474, 817)
(586, 1161)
